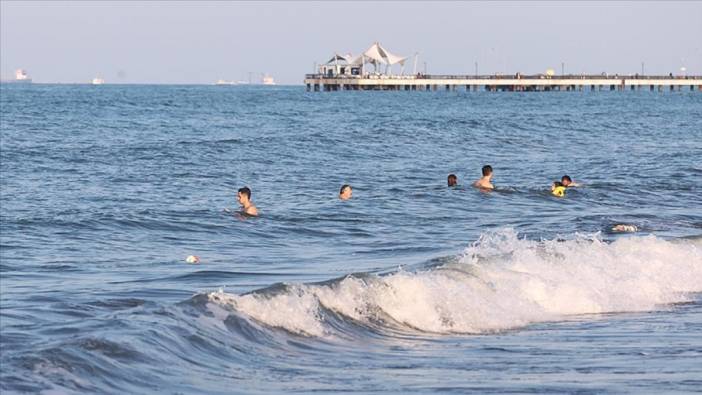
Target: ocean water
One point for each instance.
(409, 287)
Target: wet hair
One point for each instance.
(487, 170)
(344, 187)
(452, 180)
(245, 191)
(566, 178)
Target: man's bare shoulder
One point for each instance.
(251, 210)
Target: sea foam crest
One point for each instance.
(500, 282)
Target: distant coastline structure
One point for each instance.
(373, 70)
(266, 79)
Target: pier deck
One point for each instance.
(319, 82)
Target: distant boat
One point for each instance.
(98, 81)
(21, 77)
(268, 80)
(225, 82)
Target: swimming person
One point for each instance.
(345, 192)
(558, 189)
(452, 180)
(624, 228)
(485, 181)
(568, 182)
(244, 197)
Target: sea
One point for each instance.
(408, 287)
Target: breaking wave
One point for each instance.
(500, 282)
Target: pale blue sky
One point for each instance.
(188, 42)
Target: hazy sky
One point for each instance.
(188, 42)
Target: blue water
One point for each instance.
(410, 286)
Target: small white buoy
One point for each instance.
(194, 259)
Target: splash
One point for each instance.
(500, 282)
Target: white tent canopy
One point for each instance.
(356, 61)
(377, 54)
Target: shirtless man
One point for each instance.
(244, 197)
(485, 181)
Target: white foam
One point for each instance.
(500, 282)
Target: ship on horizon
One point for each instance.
(225, 82)
(267, 80)
(21, 77)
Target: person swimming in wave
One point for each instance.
(568, 182)
(345, 192)
(452, 180)
(485, 182)
(247, 207)
(558, 189)
(625, 228)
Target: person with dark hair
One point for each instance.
(345, 192)
(485, 181)
(568, 182)
(244, 197)
(452, 180)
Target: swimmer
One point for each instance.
(194, 259)
(558, 189)
(345, 192)
(624, 228)
(452, 180)
(485, 181)
(568, 182)
(244, 197)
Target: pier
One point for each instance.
(348, 72)
(492, 83)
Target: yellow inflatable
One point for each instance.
(558, 191)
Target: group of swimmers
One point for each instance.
(558, 188)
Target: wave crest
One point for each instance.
(500, 282)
